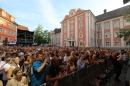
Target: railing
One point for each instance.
(127, 81)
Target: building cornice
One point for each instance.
(74, 16)
(8, 20)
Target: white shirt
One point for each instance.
(65, 58)
(2, 63)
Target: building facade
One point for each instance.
(55, 37)
(8, 27)
(107, 26)
(81, 28)
(78, 28)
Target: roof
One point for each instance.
(113, 14)
(78, 11)
(20, 27)
(57, 30)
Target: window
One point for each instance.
(64, 24)
(64, 44)
(3, 13)
(64, 30)
(116, 24)
(9, 25)
(64, 37)
(115, 34)
(72, 35)
(71, 28)
(107, 35)
(107, 43)
(128, 44)
(1, 29)
(81, 43)
(80, 34)
(99, 43)
(99, 36)
(12, 33)
(98, 27)
(72, 21)
(117, 43)
(91, 25)
(80, 18)
(1, 22)
(0, 38)
(8, 31)
(80, 25)
(126, 23)
(106, 25)
(12, 25)
(12, 19)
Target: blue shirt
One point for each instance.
(80, 64)
(37, 77)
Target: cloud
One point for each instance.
(49, 13)
(26, 15)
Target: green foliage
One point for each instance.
(125, 32)
(40, 36)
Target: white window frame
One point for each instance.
(1, 29)
(126, 23)
(107, 44)
(98, 27)
(117, 44)
(81, 35)
(81, 42)
(64, 37)
(3, 13)
(64, 24)
(0, 38)
(71, 28)
(106, 26)
(80, 25)
(1, 21)
(116, 24)
(99, 36)
(115, 34)
(107, 34)
(99, 44)
(9, 32)
(64, 30)
(80, 17)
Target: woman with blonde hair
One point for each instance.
(8, 68)
(70, 65)
(18, 79)
(15, 62)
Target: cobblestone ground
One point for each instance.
(122, 78)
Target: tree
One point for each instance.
(125, 32)
(40, 36)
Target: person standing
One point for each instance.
(51, 73)
(38, 68)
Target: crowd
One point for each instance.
(36, 65)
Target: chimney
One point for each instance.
(105, 11)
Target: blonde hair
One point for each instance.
(8, 59)
(70, 58)
(94, 56)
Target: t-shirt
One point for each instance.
(37, 77)
(51, 71)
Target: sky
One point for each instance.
(49, 13)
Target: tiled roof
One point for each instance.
(114, 13)
(20, 27)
